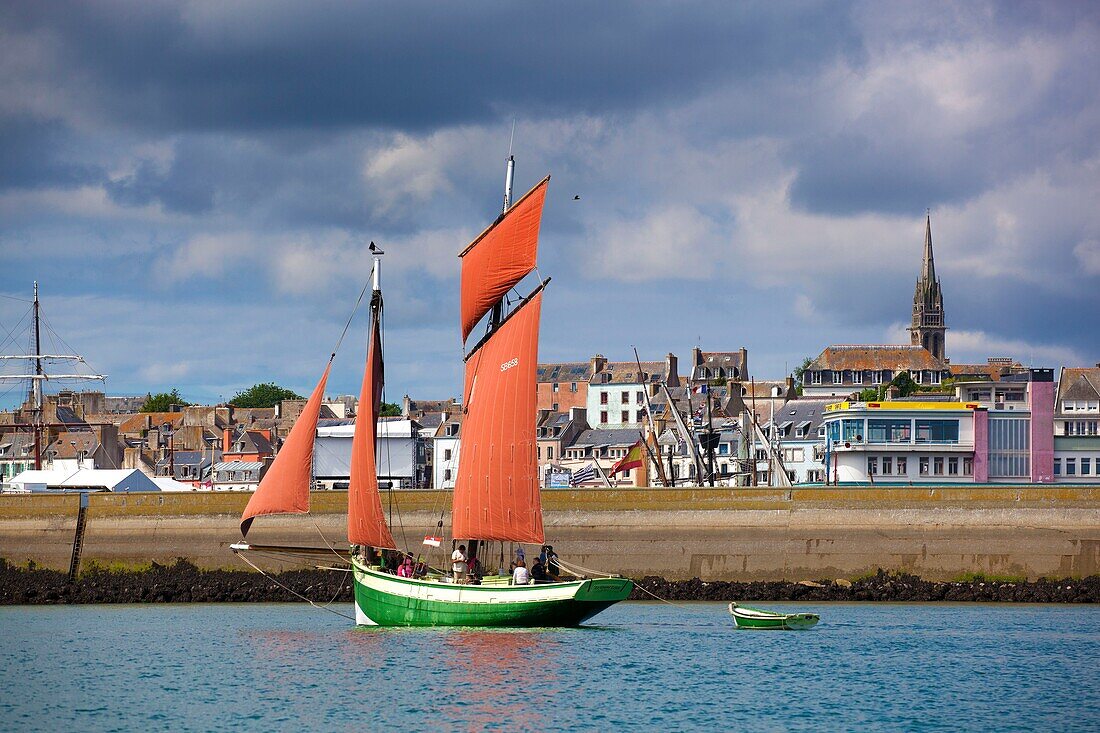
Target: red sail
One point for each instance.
(284, 489)
(366, 522)
(496, 495)
(500, 257)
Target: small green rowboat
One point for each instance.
(754, 618)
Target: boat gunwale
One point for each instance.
(492, 588)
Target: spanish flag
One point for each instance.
(632, 459)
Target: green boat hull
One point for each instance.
(382, 599)
(755, 618)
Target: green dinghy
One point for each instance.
(755, 618)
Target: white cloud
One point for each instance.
(1088, 255)
(974, 347)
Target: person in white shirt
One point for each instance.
(519, 575)
(458, 563)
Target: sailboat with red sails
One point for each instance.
(496, 496)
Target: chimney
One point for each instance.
(599, 361)
(227, 440)
(790, 383)
(696, 356)
(406, 406)
(744, 366)
(578, 414)
(673, 378)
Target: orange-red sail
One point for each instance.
(496, 495)
(500, 257)
(284, 489)
(366, 522)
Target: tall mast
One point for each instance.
(509, 176)
(36, 384)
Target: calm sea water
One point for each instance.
(646, 666)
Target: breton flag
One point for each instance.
(433, 541)
(632, 459)
(587, 473)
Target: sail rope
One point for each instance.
(573, 568)
(354, 310)
(296, 594)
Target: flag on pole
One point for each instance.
(433, 541)
(587, 473)
(699, 389)
(632, 459)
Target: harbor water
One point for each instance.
(637, 666)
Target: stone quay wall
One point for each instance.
(938, 533)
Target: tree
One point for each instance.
(267, 394)
(905, 384)
(800, 372)
(163, 401)
(871, 394)
(390, 409)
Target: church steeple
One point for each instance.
(929, 327)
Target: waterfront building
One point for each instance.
(797, 436)
(617, 392)
(16, 454)
(401, 454)
(1077, 426)
(562, 386)
(992, 370)
(446, 445)
(1007, 437)
(842, 370)
(237, 475)
(718, 367)
(84, 480)
(554, 431)
(603, 447)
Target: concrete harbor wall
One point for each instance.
(714, 534)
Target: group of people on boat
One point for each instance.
(544, 569)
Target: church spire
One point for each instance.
(929, 327)
(928, 267)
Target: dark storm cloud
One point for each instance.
(418, 65)
(39, 153)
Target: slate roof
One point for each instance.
(808, 411)
(1079, 384)
(626, 372)
(252, 441)
(876, 357)
(571, 371)
(712, 361)
(16, 445)
(63, 447)
(615, 437)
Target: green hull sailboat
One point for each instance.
(496, 496)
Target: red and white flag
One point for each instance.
(433, 541)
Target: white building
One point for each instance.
(82, 480)
(445, 449)
(401, 455)
(617, 391)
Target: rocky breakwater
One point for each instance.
(182, 582)
(882, 586)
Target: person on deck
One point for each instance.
(458, 563)
(521, 556)
(553, 569)
(474, 570)
(405, 570)
(538, 572)
(520, 575)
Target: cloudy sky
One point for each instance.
(194, 184)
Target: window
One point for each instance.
(641, 415)
(640, 397)
(857, 377)
(903, 466)
(447, 454)
(554, 407)
(834, 431)
(723, 449)
(937, 465)
(937, 431)
(603, 417)
(1057, 466)
(1086, 467)
(872, 465)
(953, 466)
(853, 430)
(934, 377)
(625, 398)
(603, 398)
(815, 377)
(625, 416)
(887, 465)
(1009, 447)
(876, 376)
(917, 376)
(538, 452)
(968, 466)
(572, 386)
(554, 387)
(447, 474)
(837, 377)
(888, 431)
(1071, 466)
